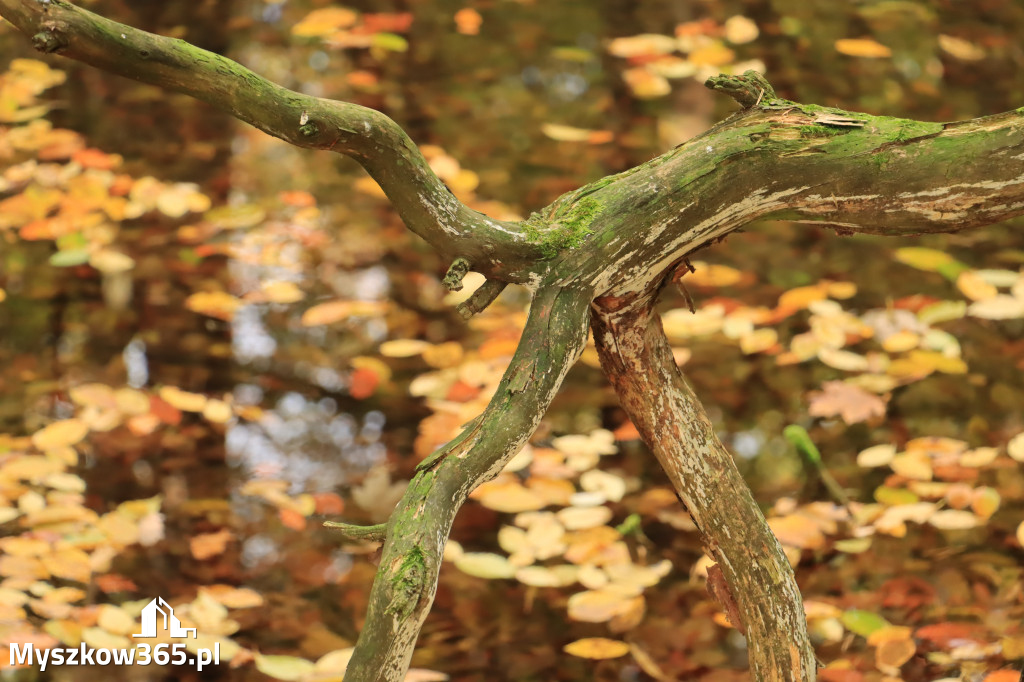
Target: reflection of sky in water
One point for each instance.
(305, 442)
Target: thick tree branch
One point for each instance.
(758, 582)
(403, 590)
(786, 160)
(495, 248)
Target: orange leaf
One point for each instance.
(208, 545)
(329, 504)
(467, 21)
(862, 47)
(362, 383)
(292, 519)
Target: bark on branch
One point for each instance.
(638, 360)
(403, 590)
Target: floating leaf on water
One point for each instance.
(236, 217)
(862, 47)
(335, 311)
(960, 48)
(60, 434)
(954, 519)
(286, 668)
(974, 287)
(1015, 448)
(643, 45)
(876, 456)
(485, 565)
(324, 21)
(739, 30)
(924, 258)
(218, 304)
(862, 622)
(1000, 307)
(597, 648)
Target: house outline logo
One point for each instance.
(170, 622)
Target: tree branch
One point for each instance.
(403, 591)
(497, 249)
(848, 171)
(758, 582)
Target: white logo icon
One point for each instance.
(170, 621)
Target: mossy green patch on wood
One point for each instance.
(407, 582)
(566, 229)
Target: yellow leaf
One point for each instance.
(739, 30)
(60, 434)
(1015, 448)
(335, 311)
(985, 501)
(894, 653)
(1020, 534)
(901, 341)
(284, 667)
(511, 498)
(930, 260)
(97, 638)
(713, 275)
(801, 297)
(282, 292)
(759, 340)
(862, 47)
(798, 531)
(876, 456)
(564, 133)
(960, 48)
(714, 54)
(183, 400)
(978, 457)
(974, 287)
(913, 465)
(111, 262)
(322, 22)
(841, 290)
(217, 411)
(116, 620)
(954, 519)
(485, 565)
(235, 597)
(644, 45)
(578, 518)
(597, 648)
(644, 84)
(1001, 307)
(131, 401)
(207, 545)
(597, 606)
(403, 348)
(219, 304)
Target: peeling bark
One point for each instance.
(758, 587)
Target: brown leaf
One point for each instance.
(852, 403)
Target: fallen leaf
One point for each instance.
(852, 403)
(597, 648)
(207, 545)
(862, 47)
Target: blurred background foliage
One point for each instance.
(210, 342)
